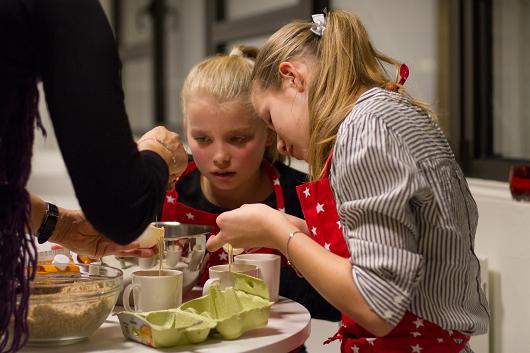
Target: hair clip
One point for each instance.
(319, 24)
(236, 52)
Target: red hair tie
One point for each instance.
(403, 74)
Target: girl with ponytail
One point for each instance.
(389, 220)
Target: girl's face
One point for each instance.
(226, 141)
(286, 111)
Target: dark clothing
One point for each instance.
(70, 46)
(189, 191)
(291, 286)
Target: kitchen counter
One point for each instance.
(288, 328)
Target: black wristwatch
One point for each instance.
(48, 224)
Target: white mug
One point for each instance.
(152, 291)
(220, 274)
(269, 267)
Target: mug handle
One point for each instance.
(127, 296)
(208, 284)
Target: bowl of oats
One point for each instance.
(68, 305)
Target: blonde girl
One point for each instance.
(389, 220)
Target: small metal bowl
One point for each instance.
(190, 239)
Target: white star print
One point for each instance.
(223, 256)
(306, 192)
(355, 349)
(418, 322)
(282, 209)
(327, 246)
(415, 333)
(370, 341)
(170, 199)
(416, 348)
(276, 181)
(338, 223)
(450, 332)
(190, 215)
(320, 208)
(440, 340)
(314, 231)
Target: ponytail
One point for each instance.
(345, 62)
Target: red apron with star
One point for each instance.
(173, 210)
(412, 334)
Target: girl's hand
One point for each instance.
(75, 233)
(250, 226)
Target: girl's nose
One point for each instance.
(221, 159)
(281, 146)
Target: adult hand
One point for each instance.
(167, 144)
(75, 233)
(251, 226)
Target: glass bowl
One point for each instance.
(66, 308)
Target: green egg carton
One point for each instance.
(165, 328)
(231, 312)
(236, 310)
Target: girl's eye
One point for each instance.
(238, 139)
(201, 139)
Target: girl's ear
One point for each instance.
(292, 75)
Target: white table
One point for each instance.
(288, 328)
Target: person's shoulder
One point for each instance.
(289, 175)
(379, 108)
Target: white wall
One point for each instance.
(503, 236)
(407, 31)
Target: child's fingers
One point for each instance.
(215, 242)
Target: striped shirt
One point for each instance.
(407, 214)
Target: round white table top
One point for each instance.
(289, 327)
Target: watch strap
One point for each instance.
(48, 223)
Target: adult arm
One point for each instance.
(119, 188)
(75, 233)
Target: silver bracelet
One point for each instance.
(173, 156)
(291, 235)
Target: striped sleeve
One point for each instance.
(374, 179)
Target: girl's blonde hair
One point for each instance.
(225, 78)
(345, 63)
